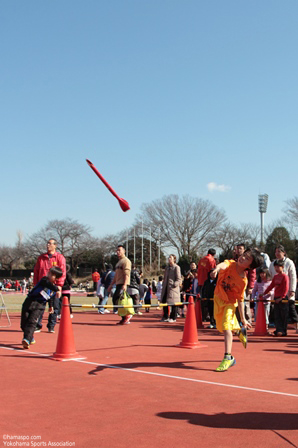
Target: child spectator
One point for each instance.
(102, 288)
(148, 296)
(133, 289)
(230, 289)
(66, 291)
(187, 283)
(35, 303)
(208, 293)
(280, 283)
(263, 281)
(158, 290)
(143, 289)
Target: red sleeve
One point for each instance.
(212, 264)
(251, 278)
(62, 264)
(285, 285)
(36, 272)
(271, 286)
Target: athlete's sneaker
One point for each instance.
(51, 330)
(226, 364)
(171, 321)
(242, 335)
(37, 330)
(25, 344)
(33, 341)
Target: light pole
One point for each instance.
(142, 243)
(263, 202)
(150, 247)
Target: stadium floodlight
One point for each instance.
(263, 202)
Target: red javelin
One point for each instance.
(122, 202)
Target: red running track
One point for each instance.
(137, 388)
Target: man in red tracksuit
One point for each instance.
(43, 265)
(205, 265)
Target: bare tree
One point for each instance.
(11, 257)
(185, 222)
(291, 211)
(74, 240)
(229, 235)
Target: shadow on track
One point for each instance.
(241, 420)
(136, 365)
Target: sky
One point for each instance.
(163, 96)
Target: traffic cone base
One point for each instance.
(65, 349)
(196, 344)
(190, 332)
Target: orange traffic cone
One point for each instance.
(260, 329)
(190, 333)
(198, 310)
(65, 349)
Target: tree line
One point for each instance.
(183, 224)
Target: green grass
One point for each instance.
(13, 302)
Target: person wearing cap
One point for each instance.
(290, 271)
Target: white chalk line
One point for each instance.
(163, 375)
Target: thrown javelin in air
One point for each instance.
(122, 202)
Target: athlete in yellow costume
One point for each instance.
(228, 294)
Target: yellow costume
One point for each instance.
(229, 289)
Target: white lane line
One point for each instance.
(181, 378)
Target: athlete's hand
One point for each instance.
(246, 324)
(213, 274)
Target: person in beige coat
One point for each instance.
(170, 293)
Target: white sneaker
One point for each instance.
(139, 313)
(171, 321)
(71, 316)
(106, 311)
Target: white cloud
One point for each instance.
(213, 186)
